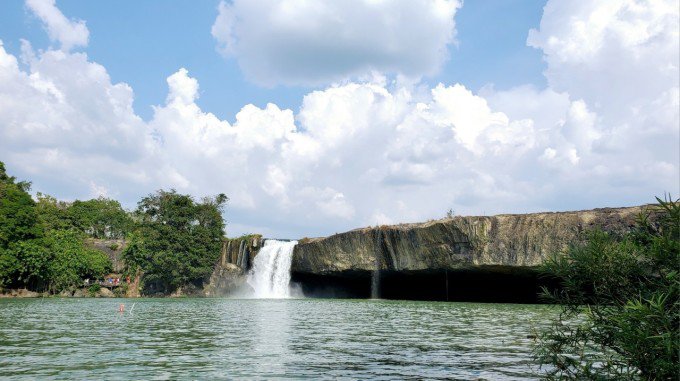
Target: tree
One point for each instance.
(71, 261)
(100, 218)
(18, 222)
(176, 240)
(52, 213)
(40, 248)
(18, 218)
(620, 303)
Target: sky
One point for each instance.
(317, 117)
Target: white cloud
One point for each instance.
(69, 33)
(365, 152)
(610, 53)
(318, 42)
(328, 201)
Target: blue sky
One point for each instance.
(318, 117)
(142, 51)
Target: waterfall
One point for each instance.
(375, 280)
(270, 275)
(375, 275)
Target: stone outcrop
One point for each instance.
(460, 258)
(19, 293)
(510, 240)
(229, 275)
(226, 280)
(113, 248)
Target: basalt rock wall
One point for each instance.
(235, 260)
(468, 247)
(511, 240)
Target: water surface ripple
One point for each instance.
(266, 339)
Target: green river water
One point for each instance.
(56, 338)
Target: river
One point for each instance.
(55, 338)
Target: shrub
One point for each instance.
(94, 289)
(620, 304)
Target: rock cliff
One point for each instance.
(511, 240)
(461, 258)
(113, 248)
(235, 259)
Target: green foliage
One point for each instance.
(72, 262)
(32, 260)
(9, 265)
(100, 218)
(18, 217)
(121, 291)
(94, 289)
(40, 248)
(621, 304)
(176, 240)
(52, 213)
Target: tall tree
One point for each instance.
(39, 246)
(18, 218)
(100, 218)
(177, 240)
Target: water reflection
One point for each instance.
(272, 330)
(267, 339)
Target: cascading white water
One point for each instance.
(270, 275)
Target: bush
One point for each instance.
(620, 304)
(121, 291)
(94, 289)
(72, 261)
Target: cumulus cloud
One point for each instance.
(318, 42)
(364, 152)
(611, 53)
(69, 33)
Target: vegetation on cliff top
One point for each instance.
(176, 240)
(620, 300)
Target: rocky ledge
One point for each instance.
(428, 259)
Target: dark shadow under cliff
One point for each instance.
(497, 285)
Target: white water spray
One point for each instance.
(270, 275)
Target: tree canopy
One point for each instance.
(172, 239)
(176, 240)
(41, 247)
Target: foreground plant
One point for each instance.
(620, 304)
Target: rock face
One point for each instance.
(229, 276)
(105, 293)
(113, 248)
(226, 280)
(512, 240)
(19, 293)
(461, 258)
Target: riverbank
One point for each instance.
(490, 259)
(78, 293)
